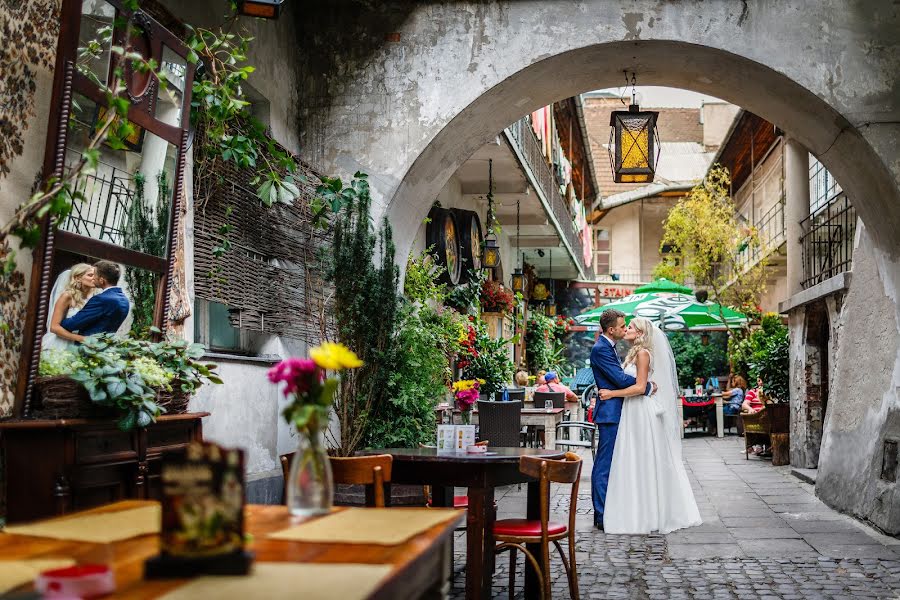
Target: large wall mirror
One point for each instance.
(106, 268)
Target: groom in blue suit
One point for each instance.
(608, 374)
(104, 312)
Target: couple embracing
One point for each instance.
(639, 484)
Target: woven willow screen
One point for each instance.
(271, 279)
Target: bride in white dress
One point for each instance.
(648, 485)
(71, 291)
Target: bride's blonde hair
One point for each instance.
(642, 341)
(79, 297)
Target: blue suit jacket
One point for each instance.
(608, 374)
(103, 313)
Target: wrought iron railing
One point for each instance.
(771, 231)
(103, 212)
(827, 241)
(528, 147)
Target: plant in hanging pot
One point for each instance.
(310, 487)
(496, 299)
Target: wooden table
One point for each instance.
(720, 415)
(573, 406)
(480, 473)
(420, 566)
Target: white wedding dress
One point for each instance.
(648, 486)
(51, 340)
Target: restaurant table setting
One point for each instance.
(202, 540)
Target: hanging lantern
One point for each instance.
(262, 9)
(551, 310)
(490, 254)
(518, 281)
(704, 339)
(633, 142)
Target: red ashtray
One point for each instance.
(80, 581)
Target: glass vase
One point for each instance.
(466, 416)
(310, 489)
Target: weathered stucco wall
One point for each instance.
(864, 409)
(408, 91)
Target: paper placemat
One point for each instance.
(274, 581)
(98, 528)
(382, 526)
(14, 573)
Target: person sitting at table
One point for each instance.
(732, 399)
(521, 378)
(540, 377)
(753, 402)
(552, 384)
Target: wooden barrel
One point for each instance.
(442, 236)
(471, 239)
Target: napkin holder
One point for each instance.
(206, 483)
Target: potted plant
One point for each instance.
(495, 298)
(59, 395)
(181, 360)
(310, 487)
(113, 382)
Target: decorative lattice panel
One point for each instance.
(272, 276)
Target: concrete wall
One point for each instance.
(864, 409)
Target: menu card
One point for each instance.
(455, 438)
(202, 514)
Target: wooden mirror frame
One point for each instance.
(67, 81)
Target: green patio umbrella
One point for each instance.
(663, 285)
(678, 312)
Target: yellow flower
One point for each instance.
(335, 357)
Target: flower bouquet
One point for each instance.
(309, 488)
(466, 393)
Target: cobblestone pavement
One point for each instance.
(765, 535)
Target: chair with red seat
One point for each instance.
(513, 534)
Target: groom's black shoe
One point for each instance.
(599, 525)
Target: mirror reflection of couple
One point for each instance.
(639, 484)
(86, 300)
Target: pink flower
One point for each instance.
(297, 373)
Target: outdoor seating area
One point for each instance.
(439, 300)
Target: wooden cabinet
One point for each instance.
(56, 466)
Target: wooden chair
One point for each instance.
(513, 534)
(500, 423)
(370, 471)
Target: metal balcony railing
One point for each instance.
(771, 231)
(526, 145)
(102, 214)
(827, 241)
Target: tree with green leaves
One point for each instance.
(707, 242)
(366, 303)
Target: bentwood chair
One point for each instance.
(500, 423)
(370, 471)
(513, 534)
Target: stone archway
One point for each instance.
(408, 91)
(409, 108)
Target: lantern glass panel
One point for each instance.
(634, 138)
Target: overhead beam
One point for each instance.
(525, 219)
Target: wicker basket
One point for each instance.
(175, 402)
(62, 397)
